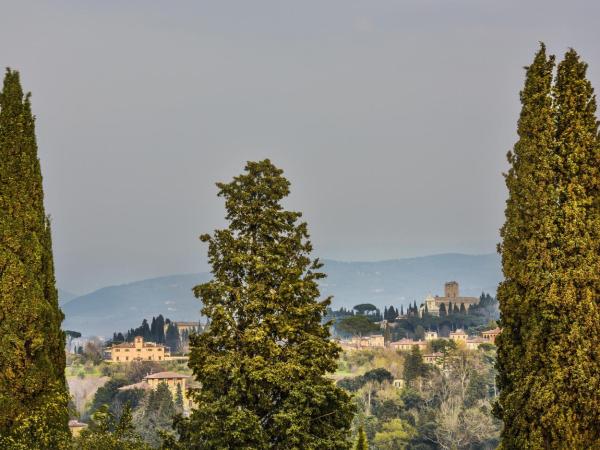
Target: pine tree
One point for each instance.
(33, 393)
(262, 361)
(547, 352)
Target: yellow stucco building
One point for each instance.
(173, 380)
(138, 350)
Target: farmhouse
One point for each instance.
(138, 350)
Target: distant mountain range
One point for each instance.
(65, 296)
(397, 282)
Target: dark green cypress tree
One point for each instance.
(413, 365)
(179, 399)
(442, 311)
(571, 323)
(361, 440)
(263, 359)
(547, 352)
(172, 338)
(33, 393)
(160, 329)
(526, 252)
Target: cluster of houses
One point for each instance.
(459, 336)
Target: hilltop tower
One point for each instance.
(451, 289)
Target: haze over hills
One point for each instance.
(65, 296)
(397, 282)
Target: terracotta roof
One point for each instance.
(496, 330)
(408, 341)
(456, 299)
(132, 345)
(477, 340)
(165, 375)
(140, 385)
(75, 423)
(459, 331)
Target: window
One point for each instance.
(117, 358)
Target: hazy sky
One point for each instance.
(391, 119)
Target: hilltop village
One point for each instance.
(433, 311)
(147, 365)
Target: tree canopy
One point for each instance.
(262, 361)
(33, 392)
(550, 314)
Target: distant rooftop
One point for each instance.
(165, 376)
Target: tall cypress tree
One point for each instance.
(547, 352)
(572, 319)
(33, 393)
(526, 251)
(361, 440)
(263, 359)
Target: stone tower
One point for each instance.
(451, 289)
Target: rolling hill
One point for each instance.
(397, 282)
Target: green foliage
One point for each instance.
(547, 353)
(395, 434)
(156, 414)
(378, 375)
(449, 409)
(414, 367)
(356, 325)
(366, 308)
(179, 399)
(106, 394)
(172, 338)
(361, 440)
(106, 433)
(33, 393)
(263, 359)
(442, 345)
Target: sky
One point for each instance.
(391, 119)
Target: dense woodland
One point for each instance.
(443, 406)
